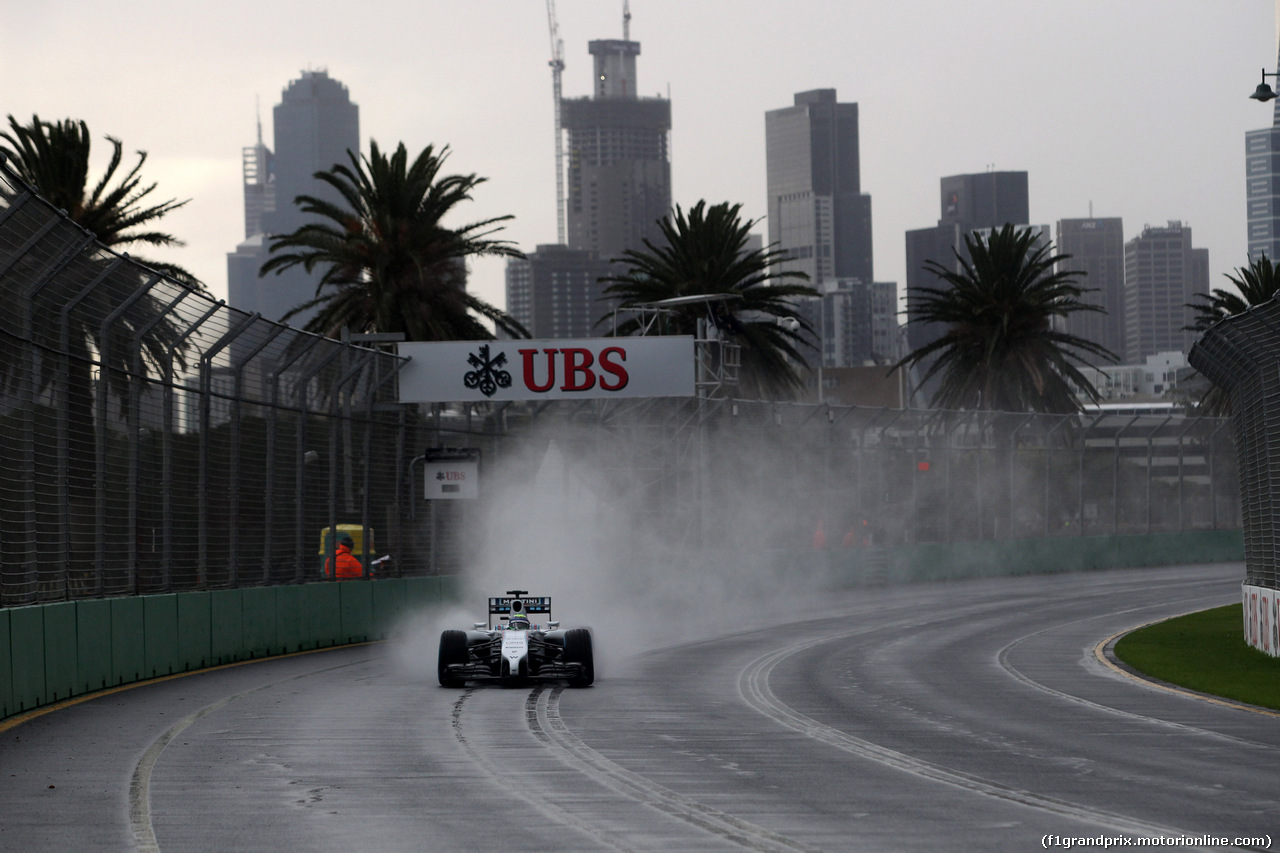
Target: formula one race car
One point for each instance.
(518, 643)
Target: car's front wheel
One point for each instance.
(577, 649)
(453, 651)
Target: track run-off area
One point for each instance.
(969, 715)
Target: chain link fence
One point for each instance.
(155, 440)
(1239, 354)
(731, 474)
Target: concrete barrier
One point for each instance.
(927, 561)
(53, 652)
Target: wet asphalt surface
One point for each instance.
(961, 716)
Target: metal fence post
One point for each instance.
(367, 480)
(134, 417)
(334, 405)
(300, 479)
(100, 443)
(166, 447)
(202, 487)
(233, 555)
(270, 476)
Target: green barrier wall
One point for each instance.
(52, 652)
(26, 639)
(195, 633)
(93, 645)
(6, 670)
(60, 675)
(261, 631)
(128, 638)
(226, 609)
(160, 649)
(322, 615)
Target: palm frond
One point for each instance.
(388, 261)
(1000, 350)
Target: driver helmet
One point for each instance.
(518, 622)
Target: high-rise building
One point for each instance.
(1162, 273)
(619, 170)
(969, 203)
(315, 124)
(857, 321)
(1096, 247)
(1262, 185)
(820, 219)
(555, 292)
(817, 213)
(259, 184)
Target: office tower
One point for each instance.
(857, 322)
(258, 166)
(969, 203)
(619, 172)
(1096, 247)
(817, 212)
(1262, 183)
(820, 218)
(315, 124)
(1162, 273)
(555, 292)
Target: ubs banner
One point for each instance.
(476, 371)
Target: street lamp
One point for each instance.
(1263, 92)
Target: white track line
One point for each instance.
(753, 686)
(548, 723)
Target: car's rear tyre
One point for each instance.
(577, 649)
(453, 650)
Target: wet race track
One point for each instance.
(960, 716)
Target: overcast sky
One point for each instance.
(1136, 107)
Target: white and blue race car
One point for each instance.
(519, 642)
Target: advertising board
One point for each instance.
(586, 368)
(451, 474)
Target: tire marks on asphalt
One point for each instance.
(753, 687)
(501, 777)
(542, 712)
(140, 817)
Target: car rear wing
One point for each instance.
(537, 609)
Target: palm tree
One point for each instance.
(705, 253)
(54, 157)
(390, 264)
(1258, 282)
(1000, 351)
(68, 346)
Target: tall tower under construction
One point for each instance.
(619, 169)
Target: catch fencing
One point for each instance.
(734, 474)
(1240, 355)
(155, 440)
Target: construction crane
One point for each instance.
(557, 66)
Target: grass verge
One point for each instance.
(1205, 651)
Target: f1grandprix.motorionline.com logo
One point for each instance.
(487, 376)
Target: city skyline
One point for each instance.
(1106, 124)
